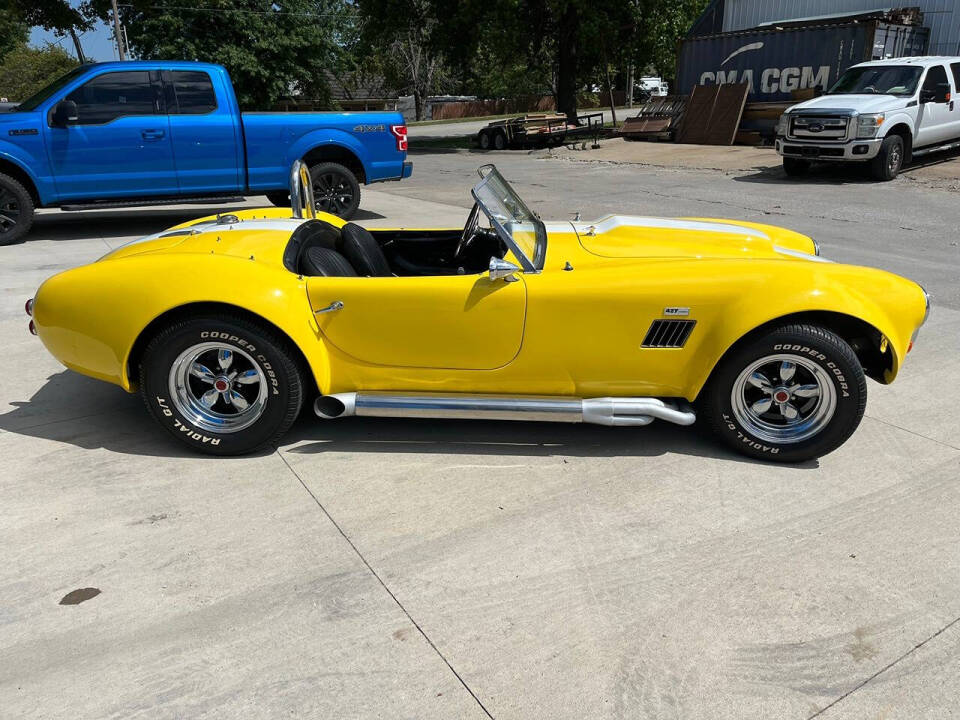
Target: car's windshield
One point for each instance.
(38, 97)
(519, 227)
(899, 80)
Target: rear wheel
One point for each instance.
(889, 161)
(16, 211)
(794, 394)
(794, 167)
(499, 141)
(221, 385)
(484, 140)
(335, 189)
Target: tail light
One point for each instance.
(400, 134)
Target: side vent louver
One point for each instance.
(668, 333)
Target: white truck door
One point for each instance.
(935, 119)
(954, 104)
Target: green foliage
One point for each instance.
(13, 31)
(25, 70)
(272, 49)
(665, 25)
(57, 15)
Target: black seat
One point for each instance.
(363, 251)
(320, 261)
(309, 234)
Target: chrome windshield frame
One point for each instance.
(527, 264)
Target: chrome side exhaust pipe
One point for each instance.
(612, 411)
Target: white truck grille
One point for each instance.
(813, 127)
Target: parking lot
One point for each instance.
(425, 569)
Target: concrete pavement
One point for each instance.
(417, 569)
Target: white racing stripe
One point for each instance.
(288, 224)
(612, 222)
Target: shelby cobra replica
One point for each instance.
(227, 325)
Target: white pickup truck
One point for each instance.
(883, 112)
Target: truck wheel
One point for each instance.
(499, 141)
(335, 189)
(221, 385)
(484, 140)
(792, 395)
(889, 161)
(281, 198)
(795, 167)
(16, 211)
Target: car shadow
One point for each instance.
(131, 223)
(840, 174)
(88, 414)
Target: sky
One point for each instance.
(97, 43)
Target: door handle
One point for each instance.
(332, 307)
(152, 134)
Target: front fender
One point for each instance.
(898, 117)
(892, 305)
(28, 162)
(90, 317)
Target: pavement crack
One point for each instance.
(886, 667)
(385, 587)
(912, 432)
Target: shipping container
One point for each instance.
(776, 61)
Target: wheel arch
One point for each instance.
(20, 174)
(864, 338)
(193, 309)
(902, 129)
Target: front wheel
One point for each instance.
(16, 211)
(221, 385)
(794, 394)
(889, 161)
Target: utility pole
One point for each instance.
(76, 44)
(116, 31)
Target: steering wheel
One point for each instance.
(871, 89)
(469, 230)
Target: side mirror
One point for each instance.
(502, 270)
(940, 95)
(64, 113)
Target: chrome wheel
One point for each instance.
(218, 388)
(783, 399)
(896, 157)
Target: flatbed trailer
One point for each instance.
(538, 130)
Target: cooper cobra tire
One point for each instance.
(16, 211)
(280, 198)
(795, 167)
(794, 394)
(189, 368)
(889, 160)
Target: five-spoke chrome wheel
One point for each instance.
(783, 398)
(217, 387)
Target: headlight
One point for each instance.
(782, 125)
(868, 125)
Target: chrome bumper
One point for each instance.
(826, 152)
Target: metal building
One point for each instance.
(941, 16)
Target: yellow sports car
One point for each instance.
(229, 324)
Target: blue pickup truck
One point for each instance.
(122, 134)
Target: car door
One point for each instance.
(954, 104)
(120, 143)
(466, 322)
(935, 119)
(204, 134)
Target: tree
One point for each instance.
(56, 15)
(26, 70)
(272, 50)
(408, 35)
(14, 32)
